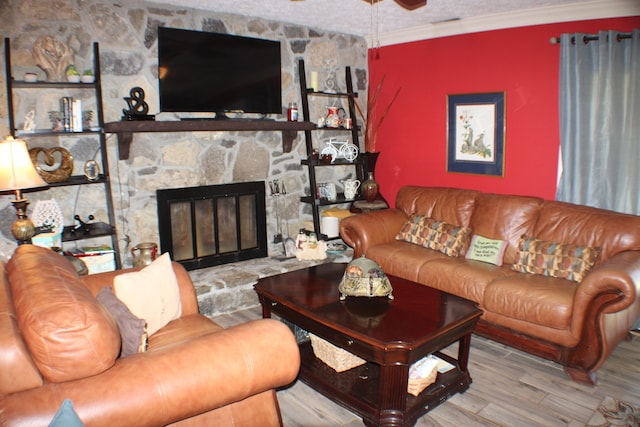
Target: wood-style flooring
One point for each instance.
(510, 388)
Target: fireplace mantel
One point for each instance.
(125, 129)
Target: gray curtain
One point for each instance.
(600, 121)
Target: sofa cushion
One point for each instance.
(449, 239)
(505, 217)
(486, 250)
(458, 276)
(19, 371)
(565, 261)
(452, 205)
(152, 293)
(133, 330)
(532, 298)
(610, 231)
(403, 259)
(69, 333)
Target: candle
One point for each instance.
(314, 81)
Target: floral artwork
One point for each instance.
(476, 134)
(475, 128)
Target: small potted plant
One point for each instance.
(87, 76)
(73, 75)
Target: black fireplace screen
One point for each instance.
(212, 225)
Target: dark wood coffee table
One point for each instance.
(389, 335)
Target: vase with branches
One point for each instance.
(371, 120)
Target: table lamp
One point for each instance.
(17, 173)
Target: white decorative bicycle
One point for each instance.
(340, 150)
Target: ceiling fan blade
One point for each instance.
(407, 4)
(411, 4)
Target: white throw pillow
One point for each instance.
(152, 293)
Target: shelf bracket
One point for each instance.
(287, 140)
(124, 144)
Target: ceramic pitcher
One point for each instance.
(350, 188)
(334, 117)
(144, 254)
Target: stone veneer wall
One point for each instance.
(126, 32)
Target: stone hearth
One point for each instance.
(229, 287)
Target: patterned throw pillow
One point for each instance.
(565, 261)
(414, 231)
(433, 234)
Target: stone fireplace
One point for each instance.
(211, 225)
(128, 52)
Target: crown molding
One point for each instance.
(598, 9)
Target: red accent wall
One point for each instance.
(520, 62)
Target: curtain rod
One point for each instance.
(590, 37)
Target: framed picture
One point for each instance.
(327, 191)
(475, 133)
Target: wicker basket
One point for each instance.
(338, 359)
(422, 374)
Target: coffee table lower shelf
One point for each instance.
(358, 389)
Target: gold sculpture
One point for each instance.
(64, 169)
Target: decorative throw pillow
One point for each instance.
(132, 329)
(487, 250)
(565, 261)
(66, 416)
(433, 234)
(414, 230)
(152, 293)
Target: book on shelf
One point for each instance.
(76, 115)
(65, 107)
(71, 110)
(87, 251)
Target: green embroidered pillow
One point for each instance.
(486, 250)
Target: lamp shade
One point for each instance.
(16, 170)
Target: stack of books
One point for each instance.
(71, 114)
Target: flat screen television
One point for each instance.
(211, 72)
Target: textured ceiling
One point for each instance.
(359, 17)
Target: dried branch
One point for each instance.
(371, 128)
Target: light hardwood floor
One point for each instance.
(510, 388)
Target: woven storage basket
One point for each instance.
(423, 376)
(338, 359)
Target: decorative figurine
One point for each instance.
(30, 121)
(63, 159)
(53, 57)
(138, 108)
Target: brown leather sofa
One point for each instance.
(194, 373)
(575, 324)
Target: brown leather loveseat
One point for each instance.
(58, 342)
(575, 323)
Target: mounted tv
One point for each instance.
(216, 73)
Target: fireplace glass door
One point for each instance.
(212, 225)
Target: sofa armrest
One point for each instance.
(371, 228)
(188, 297)
(606, 304)
(617, 279)
(176, 382)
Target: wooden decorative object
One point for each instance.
(63, 160)
(53, 57)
